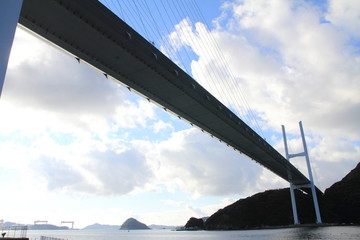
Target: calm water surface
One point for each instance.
(313, 233)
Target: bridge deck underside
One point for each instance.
(92, 33)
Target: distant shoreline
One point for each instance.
(310, 225)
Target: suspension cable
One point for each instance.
(221, 83)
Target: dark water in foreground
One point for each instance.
(312, 233)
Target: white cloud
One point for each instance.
(133, 114)
(59, 175)
(120, 173)
(162, 126)
(345, 15)
(321, 87)
(188, 161)
(197, 164)
(91, 168)
(62, 120)
(53, 89)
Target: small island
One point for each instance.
(133, 224)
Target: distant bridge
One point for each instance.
(93, 34)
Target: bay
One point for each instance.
(311, 233)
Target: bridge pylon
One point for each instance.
(9, 16)
(311, 185)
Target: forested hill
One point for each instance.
(339, 204)
(270, 208)
(343, 198)
(133, 224)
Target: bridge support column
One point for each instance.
(311, 185)
(9, 17)
(292, 194)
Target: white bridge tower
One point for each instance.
(311, 185)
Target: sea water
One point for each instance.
(312, 233)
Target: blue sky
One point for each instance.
(80, 147)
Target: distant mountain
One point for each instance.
(9, 224)
(133, 224)
(98, 226)
(46, 227)
(36, 227)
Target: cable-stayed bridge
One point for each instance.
(93, 34)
